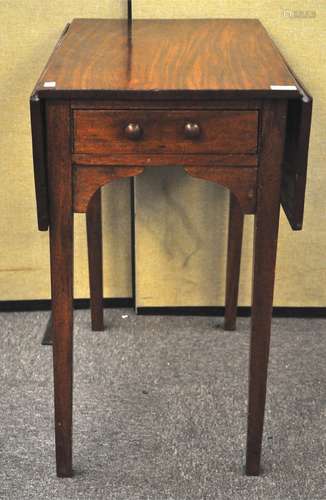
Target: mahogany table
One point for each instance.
(213, 96)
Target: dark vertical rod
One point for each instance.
(133, 241)
(132, 182)
(129, 11)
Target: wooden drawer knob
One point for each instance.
(133, 131)
(192, 130)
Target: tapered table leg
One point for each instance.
(95, 260)
(265, 245)
(95, 264)
(236, 219)
(61, 254)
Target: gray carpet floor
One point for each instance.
(160, 410)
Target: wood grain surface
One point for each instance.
(158, 56)
(103, 131)
(242, 182)
(265, 247)
(87, 180)
(166, 160)
(61, 257)
(234, 250)
(95, 260)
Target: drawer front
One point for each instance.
(174, 132)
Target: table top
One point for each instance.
(172, 58)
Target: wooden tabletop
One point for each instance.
(217, 58)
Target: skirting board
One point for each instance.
(128, 302)
(45, 305)
(278, 312)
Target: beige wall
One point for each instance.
(181, 222)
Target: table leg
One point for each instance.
(61, 255)
(236, 219)
(95, 260)
(265, 246)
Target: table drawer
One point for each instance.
(154, 131)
